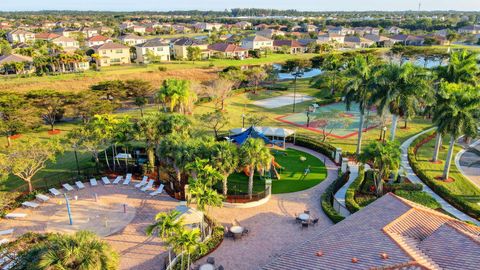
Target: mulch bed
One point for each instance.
(449, 180)
(54, 132)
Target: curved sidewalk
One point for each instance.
(471, 174)
(414, 178)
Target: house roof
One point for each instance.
(256, 38)
(63, 39)
(410, 234)
(109, 46)
(225, 47)
(289, 43)
(98, 38)
(130, 36)
(155, 42)
(20, 32)
(9, 58)
(46, 35)
(187, 42)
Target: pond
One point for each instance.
(288, 76)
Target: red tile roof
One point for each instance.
(98, 38)
(46, 36)
(225, 47)
(289, 43)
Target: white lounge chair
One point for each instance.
(31, 204)
(117, 180)
(79, 185)
(67, 187)
(6, 232)
(158, 191)
(93, 182)
(42, 197)
(4, 241)
(143, 182)
(128, 178)
(15, 215)
(54, 191)
(106, 181)
(148, 186)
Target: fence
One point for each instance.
(245, 198)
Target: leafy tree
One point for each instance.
(186, 241)
(256, 75)
(254, 155)
(385, 158)
(176, 95)
(222, 89)
(462, 67)
(215, 120)
(122, 133)
(224, 157)
(140, 91)
(165, 226)
(296, 67)
(15, 115)
(333, 66)
(113, 90)
(455, 114)
(254, 119)
(194, 53)
(26, 158)
(204, 196)
(89, 104)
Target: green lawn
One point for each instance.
(290, 177)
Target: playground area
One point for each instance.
(332, 119)
(277, 102)
(296, 171)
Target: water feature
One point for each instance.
(312, 72)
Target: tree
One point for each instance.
(82, 250)
(140, 90)
(332, 65)
(165, 226)
(455, 114)
(15, 115)
(221, 91)
(194, 53)
(359, 88)
(254, 155)
(176, 95)
(122, 133)
(204, 196)
(385, 158)
(215, 120)
(26, 158)
(89, 104)
(224, 157)
(185, 241)
(113, 90)
(296, 67)
(256, 75)
(51, 104)
(255, 119)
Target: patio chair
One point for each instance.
(31, 204)
(128, 178)
(211, 260)
(228, 234)
(148, 186)
(220, 267)
(93, 182)
(304, 225)
(117, 180)
(15, 215)
(143, 182)
(54, 192)
(67, 187)
(158, 191)
(315, 221)
(79, 185)
(106, 181)
(307, 212)
(42, 197)
(245, 232)
(298, 220)
(6, 232)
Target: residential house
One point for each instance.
(288, 46)
(470, 30)
(203, 26)
(98, 40)
(362, 31)
(89, 32)
(46, 36)
(269, 33)
(179, 48)
(442, 32)
(409, 40)
(243, 25)
(67, 43)
(340, 30)
(226, 50)
(19, 35)
(390, 233)
(261, 26)
(181, 29)
(6, 60)
(381, 41)
(104, 30)
(156, 47)
(66, 32)
(308, 28)
(126, 25)
(257, 43)
(138, 29)
(355, 42)
(132, 40)
(394, 30)
(112, 54)
(330, 38)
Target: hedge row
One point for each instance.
(350, 202)
(313, 144)
(327, 198)
(442, 191)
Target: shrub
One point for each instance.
(278, 87)
(11, 200)
(350, 202)
(161, 68)
(327, 198)
(315, 145)
(420, 197)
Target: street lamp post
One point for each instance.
(384, 134)
(243, 120)
(295, 75)
(68, 209)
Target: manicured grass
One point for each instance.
(419, 197)
(291, 177)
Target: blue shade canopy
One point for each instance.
(251, 132)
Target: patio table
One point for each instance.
(304, 217)
(236, 229)
(207, 266)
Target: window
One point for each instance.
(119, 51)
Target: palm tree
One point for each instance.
(186, 241)
(333, 65)
(454, 114)
(165, 226)
(83, 250)
(224, 157)
(123, 134)
(204, 196)
(359, 89)
(176, 94)
(254, 155)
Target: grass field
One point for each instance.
(290, 177)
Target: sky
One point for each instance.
(303, 5)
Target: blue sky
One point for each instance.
(162, 5)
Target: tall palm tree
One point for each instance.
(204, 196)
(123, 134)
(165, 226)
(186, 241)
(224, 157)
(455, 114)
(254, 155)
(83, 250)
(359, 89)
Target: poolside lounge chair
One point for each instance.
(54, 191)
(128, 178)
(67, 187)
(105, 180)
(15, 215)
(5, 232)
(148, 186)
(93, 182)
(143, 182)
(42, 197)
(79, 185)
(158, 191)
(31, 204)
(117, 180)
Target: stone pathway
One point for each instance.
(414, 178)
(272, 227)
(464, 158)
(137, 251)
(342, 192)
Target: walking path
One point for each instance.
(272, 226)
(464, 160)
(342, 192)
(414, 178)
